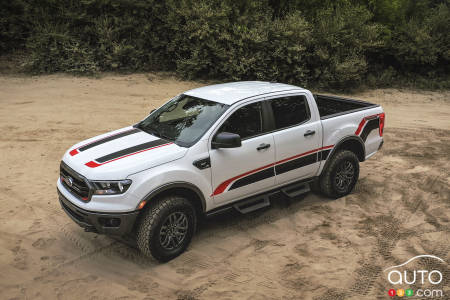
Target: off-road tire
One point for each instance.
(328, 184)
(149, 227)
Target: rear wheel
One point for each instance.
(341, 174)
(166, 227)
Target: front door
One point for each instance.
(246, 170)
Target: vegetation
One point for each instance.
(321, 43)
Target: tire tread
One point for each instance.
(326, 184)
(151, 217)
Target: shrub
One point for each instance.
(13, 29)
(54, 50)
(342, 37)
(329, 43)
(423, 44)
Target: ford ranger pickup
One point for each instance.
(212, 149)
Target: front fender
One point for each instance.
(174, 174)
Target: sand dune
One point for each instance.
(308, 248)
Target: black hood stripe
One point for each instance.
(131, 150)
(103, 140)
(109, 138)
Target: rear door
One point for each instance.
(246, 170)
(297, 136)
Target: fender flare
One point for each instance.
(177, 184)
(339, 144)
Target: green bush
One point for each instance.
(342, 37)
(329, 43)
(424, 43)
(54, 50)
(13, 29)
(220, 40)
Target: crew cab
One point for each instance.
(211, 149)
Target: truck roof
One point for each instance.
(230, 93)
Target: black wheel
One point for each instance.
(166, 228)
(341, 174)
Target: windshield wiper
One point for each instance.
(165, 136)
(145, 129)
(155, 132)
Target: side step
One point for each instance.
(252, 204)
(256, 202)
(296, 189)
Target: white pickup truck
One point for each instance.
(210, 149)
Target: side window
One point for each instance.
(247, 121)
(289, 111)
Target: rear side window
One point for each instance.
(246, 121)
(290, 111)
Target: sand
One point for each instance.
(307, 248)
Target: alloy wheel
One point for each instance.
(174, 230)
(344, 175)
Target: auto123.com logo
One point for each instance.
(419, 277)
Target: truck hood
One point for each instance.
(117, 154)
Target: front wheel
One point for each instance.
(341, 175)
(166, 228)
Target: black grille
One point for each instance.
(79, 187)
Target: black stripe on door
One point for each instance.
(296, 163)
(281, 168)
(261, 175)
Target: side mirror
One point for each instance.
(226, 140)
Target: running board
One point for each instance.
(295, 190)
(262, 200)
(252, 204)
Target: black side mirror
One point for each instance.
(226, 140)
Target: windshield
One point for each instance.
(183, 120)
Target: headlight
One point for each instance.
(111, 187)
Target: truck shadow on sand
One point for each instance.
(228, 223)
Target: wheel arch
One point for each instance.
(352, 143)
(185, 189)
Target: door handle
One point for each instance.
(263, 146)
(309, 132)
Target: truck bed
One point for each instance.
(332, 106)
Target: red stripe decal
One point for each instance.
(93, 164)
(223, 186)
(363, 122)
(74, 152)
(360, 127)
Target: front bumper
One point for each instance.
(117, 224)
